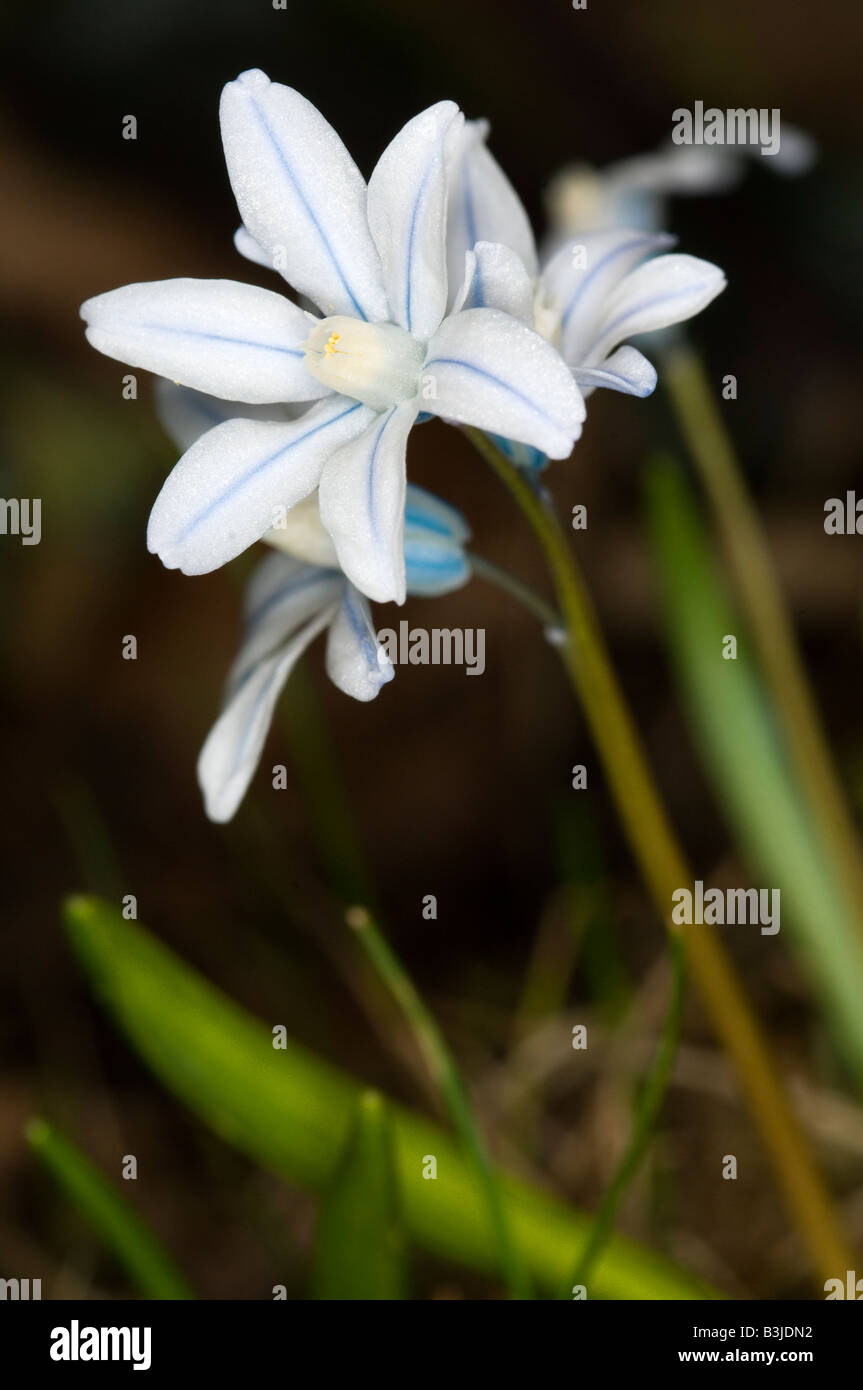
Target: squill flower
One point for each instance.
(634, 192)
(373, 259)
(289, 602)
(596, 291)
(295, 595)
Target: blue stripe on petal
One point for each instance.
(223, 338)
(610, 256)
(496, 381)
(291, 175)
(240, 483)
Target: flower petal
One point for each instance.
(300, 195)
(665, 290)
(486, 369)
(362, 497)
(483, 206)
(234, 745)
(435, 536)
(356, 661)
(222, 495)
(583, 274)
(282, 595)
(245, 243)
(626, 370)
(407, 216)
(186, 414)
(219, 336)
(424, 512)
(495, 278)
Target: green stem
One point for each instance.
(772, 629)
(444, 1073)
(148, 1265)
(502, 579)
(665, 870)
(647, 1113)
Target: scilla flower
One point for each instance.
(373, 259)
(289, 602)
(295, 595)
(595, 292)
(635, 192)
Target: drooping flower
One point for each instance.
(597, 290)
(373, 260)
(289, 602)
(294, 595)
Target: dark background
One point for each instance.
(457, 786)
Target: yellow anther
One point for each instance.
(330, 347)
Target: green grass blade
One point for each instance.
(360, 1250)
(291, 1113)
(646, 1116)
(446, 1077)
(745, 757)
(110, 1214)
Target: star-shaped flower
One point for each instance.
(373, 259)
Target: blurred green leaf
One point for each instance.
(360, 1252)
(111, 1215)
(291, 1113)
(647, 1111)
(743, 751)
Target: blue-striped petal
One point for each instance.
(580, 278)
(407, 216)
(486, 369)
(663, 291)
(495, 278)
(234, 745)
(301, 196)
(356, 661)
(483, 206)
(282, 595)
(626, 370)
(223, 494)
(218, 336)
(435, 538)
(362, 499)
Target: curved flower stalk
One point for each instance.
(635, 192)
(373, 260)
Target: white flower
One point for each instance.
(373, 259)
(597, 290)
(634, 192)
(288, 603)
(295, 595)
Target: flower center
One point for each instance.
(546, 316)
(376, 363)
